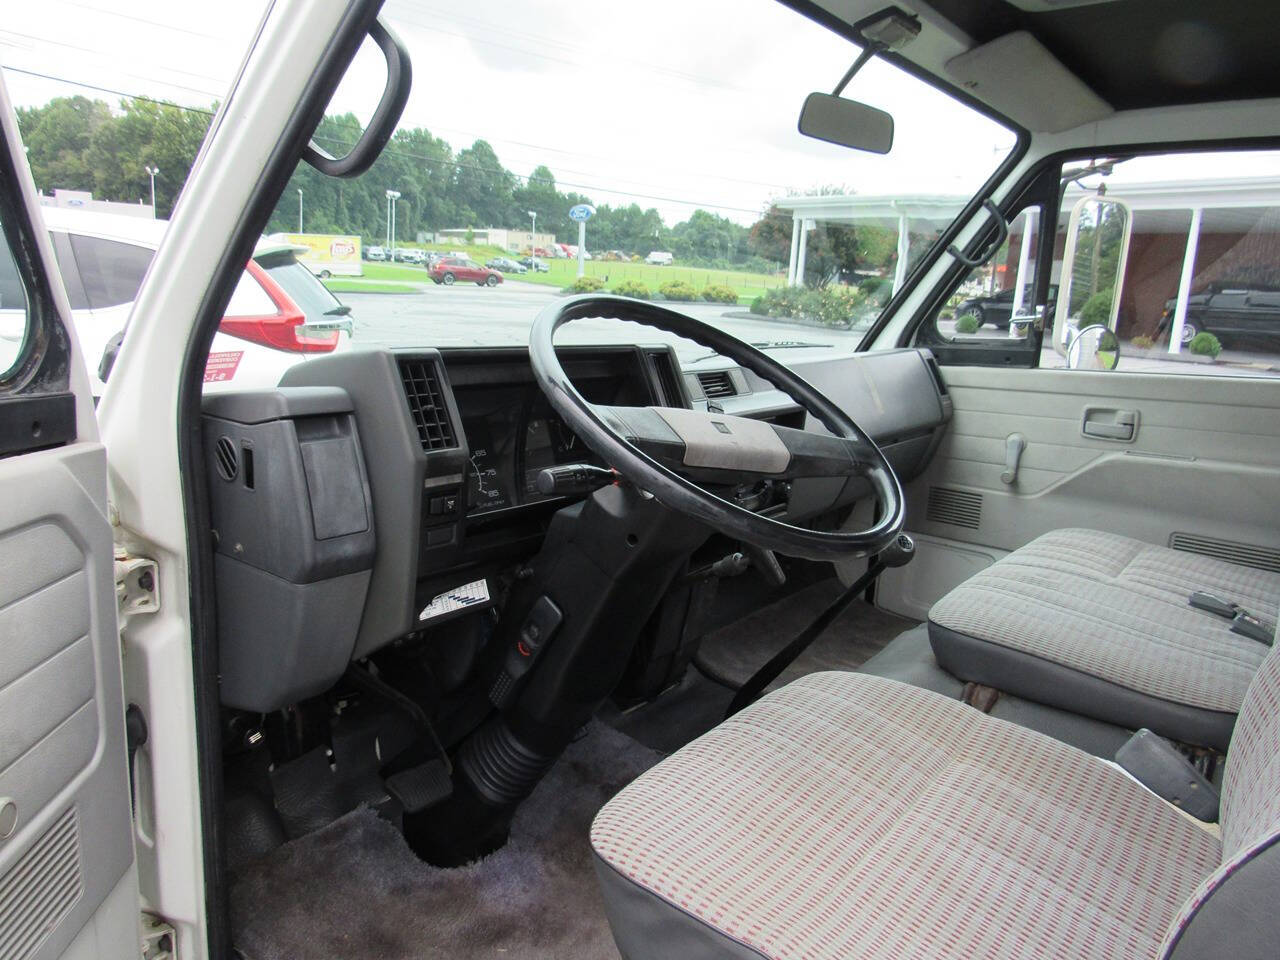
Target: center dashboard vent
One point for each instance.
(426, 404)
(717, 384)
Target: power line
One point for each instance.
(396, 151)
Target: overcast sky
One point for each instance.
(670, 103)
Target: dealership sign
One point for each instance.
(582, 212)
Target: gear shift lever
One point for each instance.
(897, 554)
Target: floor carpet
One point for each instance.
(732, 653)
(355, 890)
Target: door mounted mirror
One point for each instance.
(1094, 348)
(847, 123)
(1093, 262)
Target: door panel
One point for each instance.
(1204, 460)
(62, 745)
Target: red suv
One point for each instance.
(449, 269)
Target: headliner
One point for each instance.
(1146, 53)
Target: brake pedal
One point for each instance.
(422, 787)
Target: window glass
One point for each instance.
(998, 293)
(13, 312)
(305, 290)
(111, 271)
(1199, 285)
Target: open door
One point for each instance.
(67, 878)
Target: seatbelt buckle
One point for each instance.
(1215, 605)
(1247, 625)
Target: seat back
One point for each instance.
(1232, 913)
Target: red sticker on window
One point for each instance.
(222, 365)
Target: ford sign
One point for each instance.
(581, 212)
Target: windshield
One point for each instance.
(683, 141)
(674, 123)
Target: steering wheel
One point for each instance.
(672, 453)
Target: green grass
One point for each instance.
(352, 285)
(748, 285)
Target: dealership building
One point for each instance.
(1185, 235)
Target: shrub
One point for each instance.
(1097, 309)
(1143, 342)
(760, 306)
(632, 288)
(585, 284)
(967, 324)
(830, 306)
(678, 290)
(1205, 344)
(718, 293)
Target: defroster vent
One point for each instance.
(1245, 554)
(717, 384)
(426, 404)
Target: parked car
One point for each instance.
(997, 308)
(451, 269)
(279, 314)
(410, 255)
(506, 265)
(534, 264)
(375, 253)
(1232, 312)
(659, 258)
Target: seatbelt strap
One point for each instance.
(750, 691)
(1243, 622)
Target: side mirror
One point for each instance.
(1094, 348)
(846, 123)
(1093, 263)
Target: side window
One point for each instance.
(1196, 249)
(13, 312)
(110, 271)
(996, 300)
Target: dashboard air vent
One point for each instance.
(1245, 554)
(669, 394)
(960, 508)
(426, 404)
(717, 384)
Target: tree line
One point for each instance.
(83, 144)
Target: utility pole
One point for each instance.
(151, 172)
(300, 230)
(533, 233)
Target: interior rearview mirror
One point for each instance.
(1094, 348)
(1093, 263)
(847, 123)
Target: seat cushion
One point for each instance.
(856, 817)
(1100, 624)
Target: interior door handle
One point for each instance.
(1109, 424)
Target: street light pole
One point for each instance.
(300, 230)
(533, 233)
(151, 172)
(392, 197)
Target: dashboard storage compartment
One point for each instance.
(293, 540)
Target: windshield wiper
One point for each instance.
(341, 310)
(770, 345)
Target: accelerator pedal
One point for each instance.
(422, 787)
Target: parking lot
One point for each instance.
(467, 315)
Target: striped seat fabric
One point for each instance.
(1101, 624)
(853, 817)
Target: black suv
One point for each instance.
(1233, 312)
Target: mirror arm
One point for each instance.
(1002, 234)
(869, 51)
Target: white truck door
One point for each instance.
(68, 887)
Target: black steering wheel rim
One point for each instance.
(682, 494)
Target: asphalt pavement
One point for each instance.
(468, 315)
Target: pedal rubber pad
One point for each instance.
(422, 787)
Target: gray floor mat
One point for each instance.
(734, 652)
(355, 890)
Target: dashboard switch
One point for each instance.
(543, 621)
(574, 478)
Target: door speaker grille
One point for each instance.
(224, 452)
(960, 508)
(40, 889)
(1245, 554)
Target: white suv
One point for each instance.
(279, 314)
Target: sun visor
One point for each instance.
(1018, 77)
